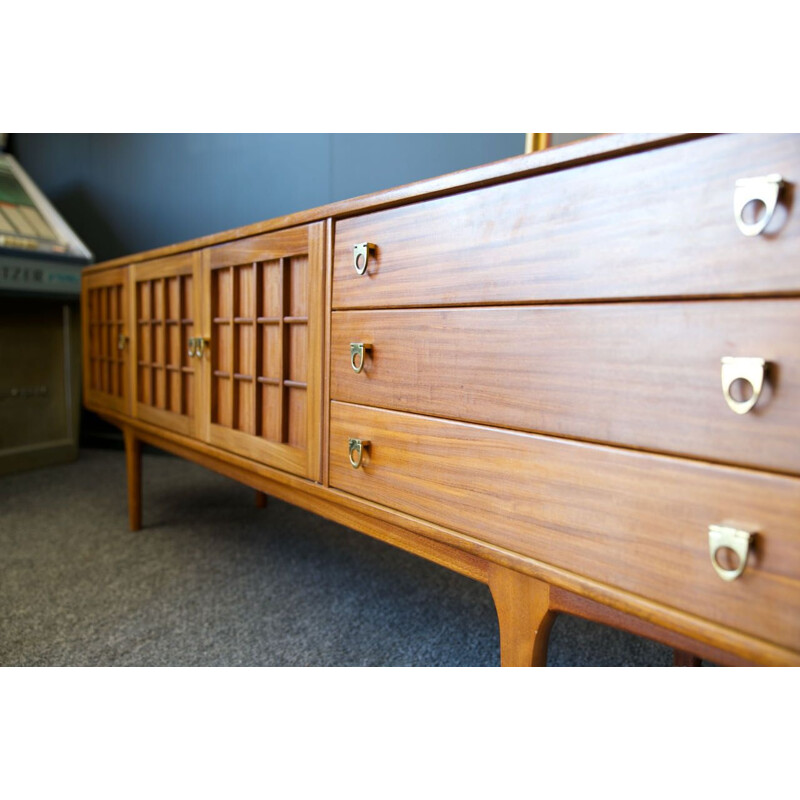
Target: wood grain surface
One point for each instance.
(635, 521)
(166, 313)
(106, 317)
(643, 375)
(263, 305)
(654, 224)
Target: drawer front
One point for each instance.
(631, 520)
(645, 375)
(653, 224)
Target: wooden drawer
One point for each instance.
(654, 224)
(631, 520)
(645, 375)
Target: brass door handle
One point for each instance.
(749, 370)
(361, 256)
(122, 340)
(764, 190)
(356, 447)
(724, 536)
(197, 346)
(357, 355)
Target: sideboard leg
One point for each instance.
(683, 659)
(133, 464)
(524, 615)
(261, 500)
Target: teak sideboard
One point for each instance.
(573, 375)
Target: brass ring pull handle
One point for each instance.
(720, 536)
(357, 355)
(750, 370)
(192, 351)
(361, 256)
(122, 340)
(356, 449)
(765, 190)
(200, 346)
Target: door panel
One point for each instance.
(165, 307)
(106, 344)
(264, 309)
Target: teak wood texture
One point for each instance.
(263, 310)
(540, 403)
(659, 227)
(106, 337)
(645, 375)
(165, 315)
(580, 507)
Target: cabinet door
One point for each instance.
(165, 308)
(264, 308)
(106, 345)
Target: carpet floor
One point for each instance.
(211, 580)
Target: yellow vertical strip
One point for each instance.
(233, 350)
(536, 141)
(181, 314)
(283, 418)
(255, 428)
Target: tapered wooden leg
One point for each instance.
(133, 464)
(261, 500)
(683, 659)
(525, 617)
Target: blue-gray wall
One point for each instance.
(123, 193)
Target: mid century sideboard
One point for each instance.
(573, 375)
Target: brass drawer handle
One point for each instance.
(720, 536)
(763, 190)
(362, 251)
(357, 447)
(122, 340)
(750, 370)
(192, 351)
(357, 355)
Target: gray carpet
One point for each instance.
(213, 581)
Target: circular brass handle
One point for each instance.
(122, 340)
(750, 370)
(764, 189)
(192, 351)
(735, 539)
(356, 449)
(361, 256)
(357, 350)
(200, 346)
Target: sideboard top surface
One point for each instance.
(555, 158)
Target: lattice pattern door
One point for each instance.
(165, 314)
(105, 340)
(265, 315)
